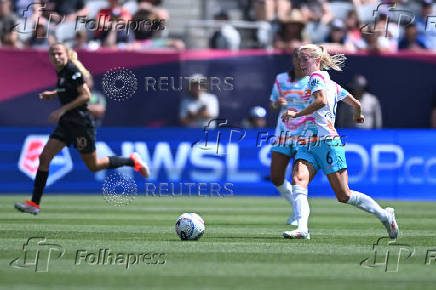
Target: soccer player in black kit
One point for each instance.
(74, 125)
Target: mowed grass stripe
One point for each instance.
(241, 278)
(242, 247)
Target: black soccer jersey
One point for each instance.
(69, 79)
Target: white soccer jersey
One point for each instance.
(326, 116)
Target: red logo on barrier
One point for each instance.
(29, 159)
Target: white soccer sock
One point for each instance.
(367, 204)
(301, 208)
(289, 187)
(286, 190)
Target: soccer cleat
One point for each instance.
(140, 165)
(391, 224)
(292, 221)
(28, 207)
(296, 234)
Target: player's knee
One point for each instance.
(300, 179)
(93, 167)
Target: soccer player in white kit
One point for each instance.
(328, 153)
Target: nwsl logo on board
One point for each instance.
(29, 159)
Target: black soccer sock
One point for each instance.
(117, 161)
(38, 186)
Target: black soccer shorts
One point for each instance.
(81, 134)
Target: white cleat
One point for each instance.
(391, 224)
(296, 234)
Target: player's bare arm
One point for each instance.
(83, 97)
(278, 104)
(48, 95)
(357, 116)
(320, 100)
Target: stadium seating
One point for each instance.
(340, 9)
(95, 6)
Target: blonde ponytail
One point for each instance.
(335, 62)
(72, 56)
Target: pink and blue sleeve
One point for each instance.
(341, 92)
(316, 82)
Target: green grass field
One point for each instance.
(242, 247)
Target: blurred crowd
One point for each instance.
(349, 26)
(283, 24)
(89, 24)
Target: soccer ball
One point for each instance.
(189, 226)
